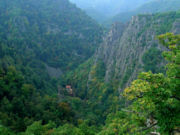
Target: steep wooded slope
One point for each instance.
(38, 41)
(56, 32)
(45, 38)
(125, 51)
(137, 48)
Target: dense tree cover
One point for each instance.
(153, 104)
(34, 34)
(88, 80)
(21, 104)
(154, 98)
(151, 59)
(55, 32)
(33, 70)
(88, 83)
(31, 38)
(161, 22)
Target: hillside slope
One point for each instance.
(51, 29)
(125, 51)
(46, 37)
(39, 41)
(137, 48)
(155, 6)
(101, 10)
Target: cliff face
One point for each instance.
(108, 50)
(132, 48)
(125, 51)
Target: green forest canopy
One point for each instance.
(154, 97)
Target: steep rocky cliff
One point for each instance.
(130, 49)
(126, 50)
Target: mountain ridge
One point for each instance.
(126, 50)
(52, 36)
(155, 6)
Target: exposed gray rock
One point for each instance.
(123, 47)
(54, 72)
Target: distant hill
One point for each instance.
(154, 6)
(126, 51)
(45, 36)
(96, 15)
(39, 41)
(101, 10)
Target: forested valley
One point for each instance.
(63, 73)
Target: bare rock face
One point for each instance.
(124, 47)
(107, 51)
(54, 72)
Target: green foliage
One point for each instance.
(153, 99)
(96, 98)
(67, 129)
(168, 18)
(38, 129)
(100, 98)
(121, 123)
(21, 104)
(56, 33)
(127, 74)
(34, 35)
(78, 79)
(37, 34)
(155, 96)
(160, 22)
(5, 131)
(152, 59)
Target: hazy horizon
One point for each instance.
(109, 7)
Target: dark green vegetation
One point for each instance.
(55, 32)
(154, 97)
(35, 37)
(100, 98)
(154, 104)
(167, 19)
(151, 59)
(156, 6)
(38, 35)
(21, 104)
(44, 35)
(88, 79)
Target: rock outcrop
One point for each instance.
(126, 50)
(124, 46)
